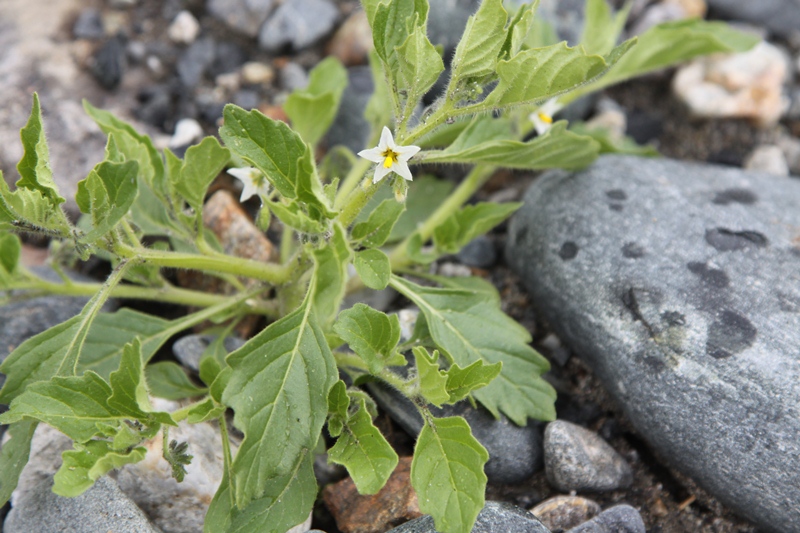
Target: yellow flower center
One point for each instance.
(389, 158)
(544, 117)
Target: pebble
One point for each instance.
(88, 25)
(184, 29)
(293, 77)
(580, 460)
(257, 73)
(478, 253)
(696, 337)
(228, 57)
(350, 128)
(767, 158)
(195, 61)
(297, 25)
(453, 270)
(246, 99)
(617, 519)
(746, 85)
(237, 234)
(243, 16)
(187, 131)
(108, 63)
(352, 41)
(781, 17)
(493, 518)
(356, 513)
(791, 151)
(189, 349)
(563, 512)
(155, 105)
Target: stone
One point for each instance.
(767, 158)
(746, 85)
(576, 459)
(564, 512)
(781, 17)
(617, 519)
(515, 453)
(350, 128)
(256, 73)
(108, 63)
(189, 349)
(352, 41)
(244, 16)
(187, 131)
(184, 29)
(478, 253)
(195, 61)
(228, 57)
(695, 334)
(155, 105)
(237, 234)
(297, 25)
(293, 77)
(88, 25)
(246, 99)
(395, 503)
(493, 518)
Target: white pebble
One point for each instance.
(187, 130)
(184, 29)
(768, 158)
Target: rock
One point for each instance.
(515, 453)
(563, 512)
(244, 16)
(781, 17)
(617, 519)
(695, 335)
(576, 459)
(108, 63)
(298, 24)
(104, 507)
(350, 128)
(767, 158)
(88, 25)
(187, 131)
(255, 73)
(195, 61)
(227, 58)
(355, 513)
(747, 85)
(189, 349)
(494, 517)
(246, 99)
(790, 146)
(184, 29)
(293, 77)
(155, 105)
(478, 253)
(666, 11)
(237, 234)
(352, 41)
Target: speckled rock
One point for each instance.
(679, 285)
(493, 518)
(565, 512)
(298, 24)
(244, 16)
(576, 459)
(617, 519)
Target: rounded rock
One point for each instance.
(563, 512)
(617, 519)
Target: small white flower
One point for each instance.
(254, 182)
(542, 118)
(390, 157)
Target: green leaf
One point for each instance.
(29, 209)
(373, 268)
(424, 195)
(277, 151)
(469, 222)
(468, 328)
(313, 108)
(203, 162)
(129, 389)
(338, 404)
(610, 144)
(331, 276)
(364, 451)
(392, 23)
(377, 228)
(168, 380)
(536, 75)
(420, 64)
(372, 335)
(287, 501)
(447, 474)
(601, 29)
(480, 46)
(558, 148)
(462, 381)
(10, 249)
(292, 215)
(34, 168)
(176, 455)
(432, 380)
(278, 389)
(14, 456)
(518, 30)
(107, 194)
(205, 411)
(88, 462)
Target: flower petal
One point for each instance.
(404, 153)
(380, 173)
(401, 167)
(373, 154)
(387, 141)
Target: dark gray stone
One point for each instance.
(293, 77)
(189, 349)
(478, 253)
(781, 17)
(297, 25)
(108, 63)
(244, 16)
(618, 519)
(104, 507)
(515, 453)
(696, 338)
(495, 517)
(350, 128)
(195, 61)
(88, 25)
(575, 459)
(227, 58)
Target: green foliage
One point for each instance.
(453, 385)
(374, 268)
(34, 168)
(177, 457)
(10, 249)
(107, 194)
(470, 222)
(375, 231)
(313, 108)
(14, 456)
(168, 380)
(202, 164)
(89, 461)
(372, 335)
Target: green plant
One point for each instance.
(89, 376)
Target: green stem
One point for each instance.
(356, 202)
(353, 178)
(353, 361)
(227, 456)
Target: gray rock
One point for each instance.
(617, 519)
(494, 517)
(189, 349)
(244, 16)
(578, 459)
(350, 128)
(678, 283)
(293, 77)
(88, 25)
(108, 63)
(195, 61)
(479, 253)
(781, 17)
(515, 453)
(298, 24)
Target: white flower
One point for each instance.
(390, 157)
(254, 182)
(542, 118)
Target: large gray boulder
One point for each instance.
(680, 285)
